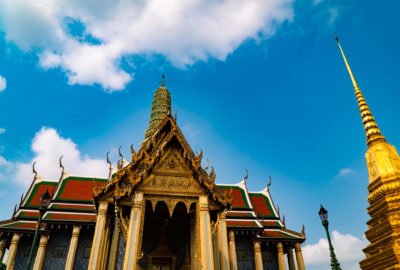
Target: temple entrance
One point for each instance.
(166, 238)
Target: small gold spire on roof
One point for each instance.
(371, 127)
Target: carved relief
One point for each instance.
(171, 184)
(172, 161)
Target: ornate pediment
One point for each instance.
(164, 163)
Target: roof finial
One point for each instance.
(109, 166)
(370, 126)
(61, 166)
(246, 176)
(34, 170)
(162, 82)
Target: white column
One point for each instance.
(257, 255)
(132, 247)
(223, 242)
(41, 253)
(281, 256)
(12, 252)
(73, 245)
(98, 238)
(232, 250)
(299, 257)
(207, 259)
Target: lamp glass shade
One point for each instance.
(45, 199)
(323, 213)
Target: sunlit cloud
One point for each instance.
(3, 83)
(89, 40)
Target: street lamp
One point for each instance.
(323, 214)
(45, 200)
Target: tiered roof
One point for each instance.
(256, 211)
(72, 202)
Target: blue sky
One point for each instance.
(264, 89)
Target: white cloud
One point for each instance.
(317, 2)
(89, 39)
(3, 83)
(5, 168)
(333, 15)
(2, 130)
(345, 172)
(48, 146)
(348, 250)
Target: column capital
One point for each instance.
(297, 247)
(44, 238)
(257, 245)
(279, 247)
(232, 235)
(137, 199)
(103, 205)
(15, 238)
(76, 230)
(203, 203)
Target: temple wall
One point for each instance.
(83, 250)
(269, 257)
(244, 252)
(24, 247)
(121, 252)
(58, 241)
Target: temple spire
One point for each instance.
(160, 107)
(370, 126)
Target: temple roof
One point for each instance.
(74, 197)
(72, 202)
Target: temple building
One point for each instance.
(383, 163)
(162, 210)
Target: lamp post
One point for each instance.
(45, 200)
(323, 214)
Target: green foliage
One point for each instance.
(2, 266)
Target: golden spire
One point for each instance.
(160, 107)
(371, 127)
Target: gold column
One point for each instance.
(258, 263)
(98, 238)
(132, 247)
(114, 247)
(291, 259)
(207, 259)
(2, 248)
(73, 244)
(12, 252)
(106, 246)
(281, 256)
(223, 242)
(299, 257)
(41, 253)
(232, 251)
